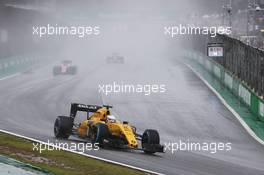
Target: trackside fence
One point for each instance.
(230, 81)
(244, 61)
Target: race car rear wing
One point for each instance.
(75, 107)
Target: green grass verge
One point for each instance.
(58, 162)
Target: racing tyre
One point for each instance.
(72, 70)
(100, 132)
(63, 127)
(150, 137)
(56, 70)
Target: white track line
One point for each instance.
(10, 76)
(80, 153)
(243, 123)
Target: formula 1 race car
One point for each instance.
(64, 68)
(115, 58)
(102, 128)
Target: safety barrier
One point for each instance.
(230, 81)
(9, 66)
(244, 61)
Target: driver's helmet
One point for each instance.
(111, 118)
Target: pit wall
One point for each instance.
(237, 87)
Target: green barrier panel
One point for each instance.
(255, 104)
(9, 66)
(228, 80)
(261, 109)
(244, 95)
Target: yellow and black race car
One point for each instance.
(101, 127)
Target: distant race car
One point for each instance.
(65, 67)
(115, 58)
(103, 129)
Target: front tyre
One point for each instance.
(56, 70)
(63, 127)
(150, 138)
(100, 132)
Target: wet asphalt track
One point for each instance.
(29, 104)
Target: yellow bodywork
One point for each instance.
(117, 128)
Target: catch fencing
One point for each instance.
(236, 86)
(245, 62)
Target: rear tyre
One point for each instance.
(72, 70)
(150, 137)
(100, 132)
(63, 127)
